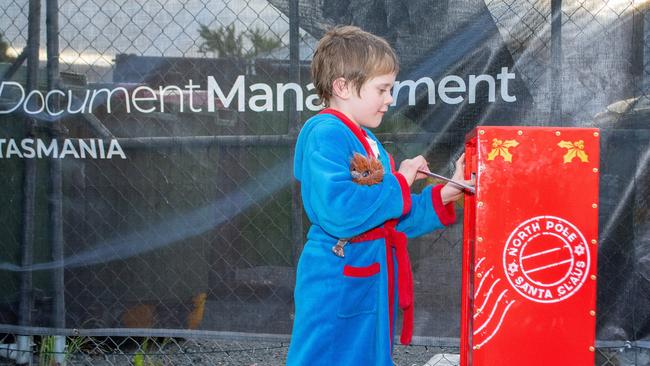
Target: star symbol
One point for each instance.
(512, 268)
(579, 250)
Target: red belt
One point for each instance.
(396, 239)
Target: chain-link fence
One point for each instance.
(174, 238)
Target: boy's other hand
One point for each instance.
(409, 169)
(451, 192)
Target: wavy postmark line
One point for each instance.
(478, 346)
(478, 264)
(494, 309)
(478, 290)
(487, 297)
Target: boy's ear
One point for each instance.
(341, 88)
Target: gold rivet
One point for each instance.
(595, 170)
(479, 275)
(594, 206)
(557, 133)
(520, 132)
(476, 347)
(591, 349)
(482, 132)
(596, 134)
(593, 277)
(592, 313)
(480, 238)
(480, 204)
(593, 241)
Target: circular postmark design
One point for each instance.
(546, 259)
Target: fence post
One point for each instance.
(56, 195)
(29, 191)
(294, 128)
(556, 63)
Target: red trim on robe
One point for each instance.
(390, 271)
(366, 271)
(396, 240)
(406, 193)
(406, 190)
(446, 213)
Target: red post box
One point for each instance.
(530, 247)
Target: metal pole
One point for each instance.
(29, 186)
(294, 128)
(15, 65)
(251, 140)
(556, 63)
(52, 28)
(56, 191)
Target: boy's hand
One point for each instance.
(451, 192)
(409, 169)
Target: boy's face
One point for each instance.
(368, 107)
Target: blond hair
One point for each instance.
(353, 54)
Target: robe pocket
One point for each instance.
(359, 290)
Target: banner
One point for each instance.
(146, 159)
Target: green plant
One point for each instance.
(75, 345)
(262, 43)
(142, 358)
(46, 351)
(47, 348)
(226, 42)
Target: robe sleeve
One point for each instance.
(427, 214)
(341, 207)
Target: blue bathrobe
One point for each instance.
(345, 308)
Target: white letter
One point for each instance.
(549, 225)
(115, 148)
(2, 141)
(282, 88)
(26, 145)
(135, 99)
(192, 87)
(163, 92)
(12, 148)
(473, 80)
(504, 76)
(312, 99)
(68, 148)
(267, 98)
(47, 97)
(36, 92)
(109, 95)
(237, 88)
(83, 104)
(22, 95)
(100, 144)
(443, 89)
(53, 148)
(412, 85)
(84, 147)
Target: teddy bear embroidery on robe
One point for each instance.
(365, 171)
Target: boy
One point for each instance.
(354, 270)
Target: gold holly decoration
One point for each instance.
(576, 148)
(500, 148)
